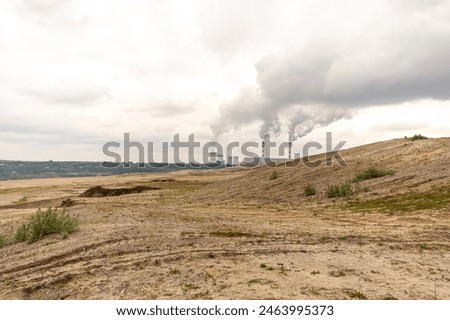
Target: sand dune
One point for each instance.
(238, 234)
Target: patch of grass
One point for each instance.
(372, 173)
(424, 246)
(263, 265)
(47, 222)
(315, 273)
(310, 190)
(174, 271)
(189, 286)
(357, 295)
(259, 281)
(342, 191)
(337, 274)
(416, 137)
(389, 298)
(408, 202)
(230, 234)
(22, 200)
(274, 175)
(2, 241)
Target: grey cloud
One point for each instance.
(324, 81)
(249, 106)
(66, 94)
(165, 109)
(170, 110)
(395, 126)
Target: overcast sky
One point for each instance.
(75, 74)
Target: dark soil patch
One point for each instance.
(99, 191)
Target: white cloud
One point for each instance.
(77, 72)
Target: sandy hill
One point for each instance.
(240, 233)
(419, 166)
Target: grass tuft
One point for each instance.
(2, 241)
(310, 190)
(342, 191)
(372, 173)
(274, 175)
(357, 295)
(47, 222)
(416, 137)
(408, 202)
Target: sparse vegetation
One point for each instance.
(263, 265)
(274, 175)
(23, 199)
(405, 202)
(343, 190)
(189, 286)
(372, 173)
(230, 234)
(337, 274)
(315, 273)
(47, 222)
(310, 190)
(357, 295)
(174, 271)
(2, 241)
(389, 298)
(416, 137)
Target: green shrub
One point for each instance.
(416, 137)
(343, 190)
(47, 222)
(357, 295)
(2, 241)
(372, 173)
(310, 190)
(274, 175)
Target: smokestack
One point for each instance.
(262, 149)
(290, 149)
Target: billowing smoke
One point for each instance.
(249, 106)
(307, 119)
(325, 81)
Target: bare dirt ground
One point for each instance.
(237, 234)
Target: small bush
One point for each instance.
(2, 241)
(344, 190)
(372, 173)
(47, 222)
(357, 295)
(274, 175)
(310, 190)
(416, 137)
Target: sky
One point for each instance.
(76, 74)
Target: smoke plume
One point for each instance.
(326, 80)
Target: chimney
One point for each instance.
(290, 150)
(262, 149)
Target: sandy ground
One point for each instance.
(236, 234)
